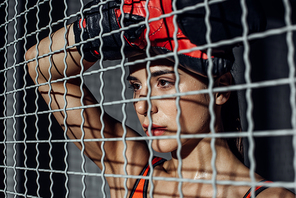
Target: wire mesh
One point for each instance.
(37, 158)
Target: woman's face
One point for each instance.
(194, 116)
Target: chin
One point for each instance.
(165, 146)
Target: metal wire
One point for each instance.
(5, 180)
(123, 108)
(101, 107)
(65, 105)
(212, 100)
(248, 95)
(176, 64)
(291, 63)
(82, 110)
(50, 99)
(14, 102)
(11, 170)
(149, 98)
(25, 106)
(36, 108)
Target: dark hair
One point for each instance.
(231, 123)
(231, 120)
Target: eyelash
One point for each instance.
(167, 85)
(132, 86)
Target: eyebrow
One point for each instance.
(154, 74)
(131, 78)
(161, 72)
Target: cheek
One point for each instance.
(168, 110)
(140, 116)
(195, 114)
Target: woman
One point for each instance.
(195, 116)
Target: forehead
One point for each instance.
(162, 64)
(153, 65)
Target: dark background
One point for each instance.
(272, 110)
(58, 149)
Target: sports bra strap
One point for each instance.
(141, 186)
(258, 189)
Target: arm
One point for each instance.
(114, 159)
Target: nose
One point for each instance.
(142, 107)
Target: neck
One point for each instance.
(197, 160)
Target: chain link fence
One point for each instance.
(38, 160)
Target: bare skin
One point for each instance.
(196, 153)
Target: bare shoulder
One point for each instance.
(276, 193)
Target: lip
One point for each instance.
(156, 130)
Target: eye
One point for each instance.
(135, 86)
(165, 83)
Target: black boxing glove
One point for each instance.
(225, 20)
(111, 44)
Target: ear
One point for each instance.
(223, 81)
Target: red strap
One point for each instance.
(138, 191)
(83, 23)
(248, 195)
